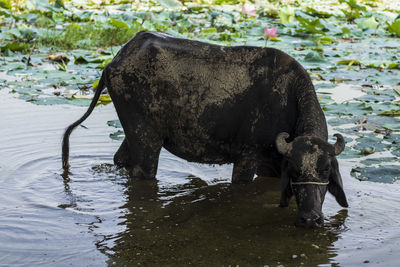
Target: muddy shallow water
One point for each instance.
(191, 214)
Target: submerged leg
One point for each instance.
(122, 157)
(244, 170)
(269, 167)
(144, 145)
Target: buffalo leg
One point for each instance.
(269, 167)
(122, 157)
(144, 147)
(244, 170)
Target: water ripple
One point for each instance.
(96, 215)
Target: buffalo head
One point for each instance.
(309, 170)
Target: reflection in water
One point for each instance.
(98, 214)
(220, 224)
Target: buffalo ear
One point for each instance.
(335, 186)
(286, 190)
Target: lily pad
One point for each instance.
(392, 126)
(118, 135)
(374, 161)
(5, 4)
(369, 23)
(348, 108)
(170, 3)
(80, 60)
(286, 15)
(348, 62)
(375, 98)
(367, 150)
(114, 123)
(349, 153)
(384, 174)
(314, 57)
(390, 113)
(313, 26)
(15, 47)
(118, 24)
(394, 27)
(370, 144)
(105, 99)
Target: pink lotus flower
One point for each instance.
(249, 10)
(270, 33)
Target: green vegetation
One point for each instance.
(53, 51)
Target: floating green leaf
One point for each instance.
(81, 97)
(348, 62)
(318, 13)
(209, 30)
(394, 27)
(393, 66)
(369, 144)
(392, 126)
(5, 4)
(118, 24)
(376, 65)
(104, 64)
(324, 40)
(15, 47)
(40, 5)
(286, 15)
(313, 26)
(346, 31)
(170, 3)
(118, 135)
(355, 9)
(348, 108)
(105, 99)
(114, 123)
(95, 84)
(373, 161)
(80, 60)
(314, 57)
(367, 151)
(369, 23)
(383, 174)
(390, 113)
(354, 5)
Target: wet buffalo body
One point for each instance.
(217, 104)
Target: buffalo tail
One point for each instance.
(68, 131)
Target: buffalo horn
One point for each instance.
(283, 147)
(339, 145)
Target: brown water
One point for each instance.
(190, 215)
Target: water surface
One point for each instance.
(190, 215)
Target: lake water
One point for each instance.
(190, 215)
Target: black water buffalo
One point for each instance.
(251, 106)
